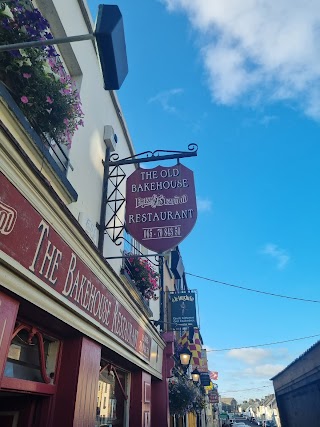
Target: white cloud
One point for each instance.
(204, 204)
(264, 371)
(165, 99)
(258, 50)
(280, 255)
(249, 356)
(246, 372)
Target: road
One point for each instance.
(243, 420)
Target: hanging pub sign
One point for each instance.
(161, 207)
(183, 310)
(203, 366)
(213, 396)
(205, 379)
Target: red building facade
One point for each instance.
(76, 345)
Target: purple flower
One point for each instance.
(6, 24)
(15, 53)
(51, 51)
(29, 24)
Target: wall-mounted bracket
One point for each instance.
(116, 176)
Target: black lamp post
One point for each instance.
(195, 374)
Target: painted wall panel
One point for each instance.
(77, 383)
(87, 384)
(141, 399)
(8, 313)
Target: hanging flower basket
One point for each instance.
(143, 275)
(185, 396)
(36, 77)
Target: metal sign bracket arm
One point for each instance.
(114, 162)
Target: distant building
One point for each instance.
(229, 404)
(268, 410)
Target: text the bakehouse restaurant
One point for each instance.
(30, 240)
(161, 206)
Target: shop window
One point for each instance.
(32, 355)
(111, 402)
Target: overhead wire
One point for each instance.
(266, 344)
(245, 389)
(253, 290)
(264, 293)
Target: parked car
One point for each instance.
(259, 422)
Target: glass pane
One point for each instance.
(110, 400)
(51, 349)
(24, 357)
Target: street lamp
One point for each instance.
(185, 356)
(195, 374)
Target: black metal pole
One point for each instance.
(134, 256)
(47, 42)
(131, 161)
(103, 208)
(161, 294)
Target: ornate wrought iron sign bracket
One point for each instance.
(155, 156)
(114, 175)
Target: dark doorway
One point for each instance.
(22, 410)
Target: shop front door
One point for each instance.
(22, 410)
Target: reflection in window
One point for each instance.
(110, 401)
(23, 360)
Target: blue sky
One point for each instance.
(241, 79)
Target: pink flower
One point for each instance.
(66, 121)
(49, 100)
(26, 75)
(24, 100)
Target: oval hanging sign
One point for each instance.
(161, 207)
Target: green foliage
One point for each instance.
(36, 77)
(185, 396)
(143, 275)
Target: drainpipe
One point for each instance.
(161, 294)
